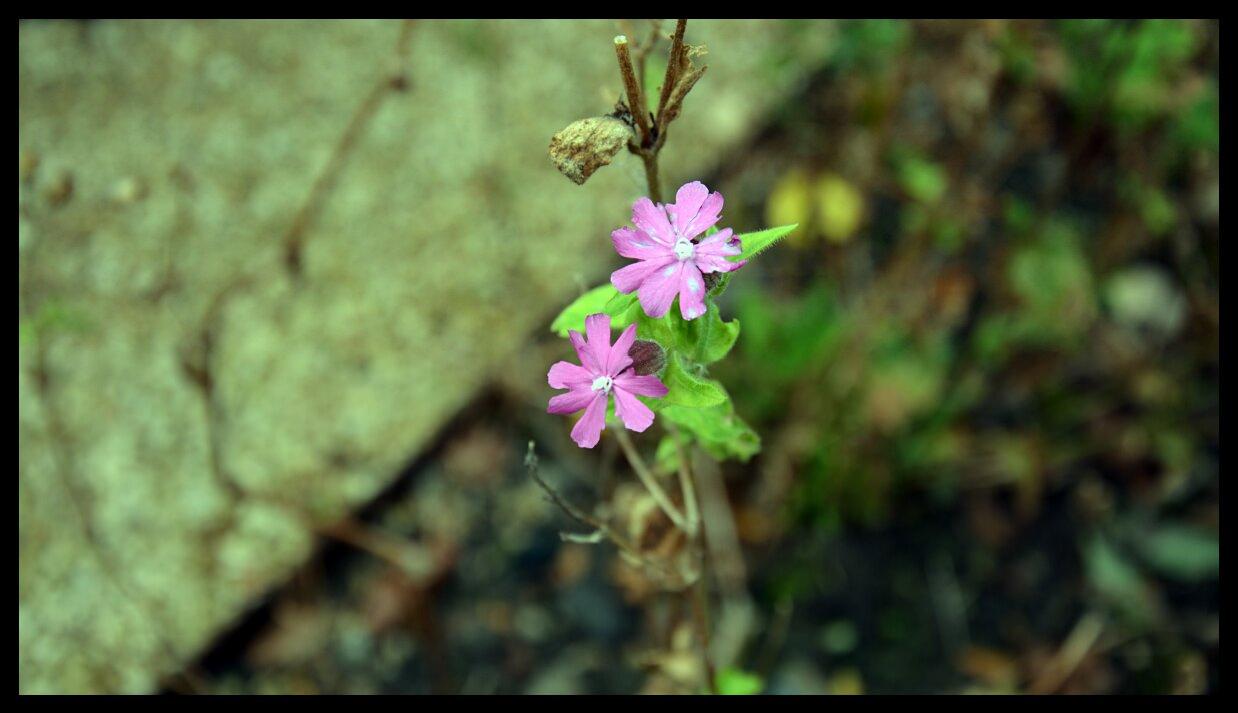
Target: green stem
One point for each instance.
(647, 479)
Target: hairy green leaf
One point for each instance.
(717, 429)
(686, 388)
(754, 244)
(718, 337)
(591, 302)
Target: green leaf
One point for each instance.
(754, 244)
(1118, 582)
(671, 330)
(717, 429)
(705, 339)
(1181, 552)
(719, 336)
(591, 302)
(687, 388)
(720, 287)
(667, 455)
(623, 310)
(687, 331)
(839, 637)
(923, 180)
(658, 330)
(737, 682)
(620, 305)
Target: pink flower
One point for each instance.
(606, 370)
(671, 255)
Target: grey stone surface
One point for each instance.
(190, 408)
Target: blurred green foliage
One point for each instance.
(1017, 326)
(736, 682)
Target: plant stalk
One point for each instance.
(647, 479)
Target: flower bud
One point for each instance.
(648, 357)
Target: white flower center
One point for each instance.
(602, 383)
(684, 249)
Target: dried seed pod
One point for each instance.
(587, 145)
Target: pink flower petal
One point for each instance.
(688, 200)
(659, 289)
(649, 385)
(695, 209)
(588, 430)
(566, 375)
(637, 244)
(723, 239)
(597, 327)
(691, 293)
(572, 401)
(628, 279)
(619, 359)
(583, 352)
(652, 220)
(712, 252)
(635, 415)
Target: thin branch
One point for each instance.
(647, 479)
(530, 463)
(651, 175)
(700, 618)
(415, 560)
(675, 104)
(636, 101)
(700, 601)
(725, 560)
(673, 66)
(686, 485)
(599, 527)
(641, 49)
(1079, 643)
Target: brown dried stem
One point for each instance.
(674, 65)
(675, 103)
(640, 114)
(642, 49)
(696, 535)
(700, 619)
(636, 101)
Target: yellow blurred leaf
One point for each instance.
(791, 202)
(846, 682)
(840, 206)
(995, 668)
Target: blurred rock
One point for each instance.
(195, 395)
